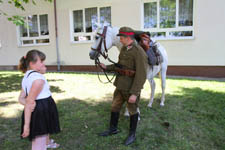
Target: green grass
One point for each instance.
(194, 109)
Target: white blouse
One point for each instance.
(28, 81)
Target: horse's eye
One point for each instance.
(96, 37)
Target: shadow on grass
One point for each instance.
(195, 117)
(7, 103)
(202, 79)
(54, 80)
(55, 89)
(12, 82)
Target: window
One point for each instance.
(35, 31)
(168, 19)
(84, 22)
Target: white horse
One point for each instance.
(106, 37)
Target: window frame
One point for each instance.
(84, 33)
(168, 30)
(40, 37)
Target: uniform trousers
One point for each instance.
(121, 96)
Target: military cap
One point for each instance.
(126, 31)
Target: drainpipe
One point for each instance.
(56, 37)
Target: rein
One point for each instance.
(97, 62)
(104, 54)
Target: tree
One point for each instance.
(19, 4)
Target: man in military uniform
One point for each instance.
(129, 81)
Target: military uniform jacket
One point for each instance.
(132, 57)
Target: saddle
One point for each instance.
(151, 48)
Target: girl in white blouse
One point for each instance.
(40, 116)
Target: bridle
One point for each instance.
(104, 54)
(99, 47)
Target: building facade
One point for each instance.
(192, 31)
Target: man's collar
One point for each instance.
(130, 46)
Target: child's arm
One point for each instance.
(22, 97)
(36, 88)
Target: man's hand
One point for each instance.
(102, 66)
(132, 98)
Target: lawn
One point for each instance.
(194, 110)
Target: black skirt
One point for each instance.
(44, 118)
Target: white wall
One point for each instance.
(208, 46)
(10, 52)
(70, 53)
(206, 49)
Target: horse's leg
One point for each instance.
(163, 86)
(126, 113)
(152, 84)
(139, 116)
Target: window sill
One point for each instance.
(82, 42)
(173, 38)
(33, 45)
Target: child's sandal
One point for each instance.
(52, 144)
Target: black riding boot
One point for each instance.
(113, 125)
(133, 125)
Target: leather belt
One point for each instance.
(125, 72)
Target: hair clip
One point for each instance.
(24, 57)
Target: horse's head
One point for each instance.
(103, 41)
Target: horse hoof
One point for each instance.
(126, 115)
(150, 105)
(161, 104)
